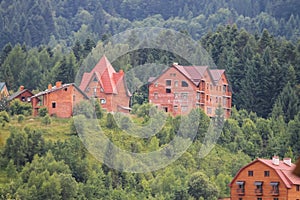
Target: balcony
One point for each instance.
(258, 191)
(240, 191)
(274, 192)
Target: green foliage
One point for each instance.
(21, 118)
(84, 108)
(4, 118)
(43, 112)
(200, 186)
(110, 121)
(46, 120)
(20, 108)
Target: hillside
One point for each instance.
(256, 42)
(63, 22)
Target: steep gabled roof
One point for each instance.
(106, 74)
(194, 73)
(18, 93)
(284, 171)
(216, 74)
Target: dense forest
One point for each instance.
(256, 42)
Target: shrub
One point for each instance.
(21, 118)
(43, 112)
(46, 120)
(18, 107)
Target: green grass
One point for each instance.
(59, 129)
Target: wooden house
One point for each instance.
(265, 179)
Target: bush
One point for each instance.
(4, 118)
(21, 118)
(46, 120)
(18, 107)
(43, 112)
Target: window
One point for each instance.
(155, 84)
(241, 187)
(240, 198)
(297, 187)
(95, 91)
(74, 97)
(66, 89)
(53, 104)
(176, 83)
(184, 108)
(259, 187)
(250, 173)
(176, 108)
(166, 109)
(209, 111)
(184, 84)
(275, 199)
(224, 88)
(101, 89)
(87, 89)
(28, 99)
(267, 173)
(259, 198)
(176, 95)
(275, 188)
(168, 90)
(155, 95)
(198, 95)
(168, 82)
(184, 95)
(95, 79)
(103, 101)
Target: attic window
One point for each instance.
(95, 80)
(103, 101)
(23, 98)
(184, 84)
(66, 89)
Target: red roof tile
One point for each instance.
(106, 75)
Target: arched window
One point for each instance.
(184, 84)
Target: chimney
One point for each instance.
(49, 86)
(21, 88)
(287, 161)
(275, 160)
(58, 84)
(121, 71)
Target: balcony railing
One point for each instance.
(274, 192)
(240, 191)
(258, 191)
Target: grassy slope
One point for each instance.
(58, 130)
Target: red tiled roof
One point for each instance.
(106, 75)
(284, 171)
(194, 73)
(216, 74)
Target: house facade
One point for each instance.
(3, 90)
(59, 100)
(109, 86)
(23, 95)
(179, 89)
(265, 179)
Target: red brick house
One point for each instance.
(179, 89)
(59, 100)
(109, 86)
(3, 90)
(23, 95)
(265, 179)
